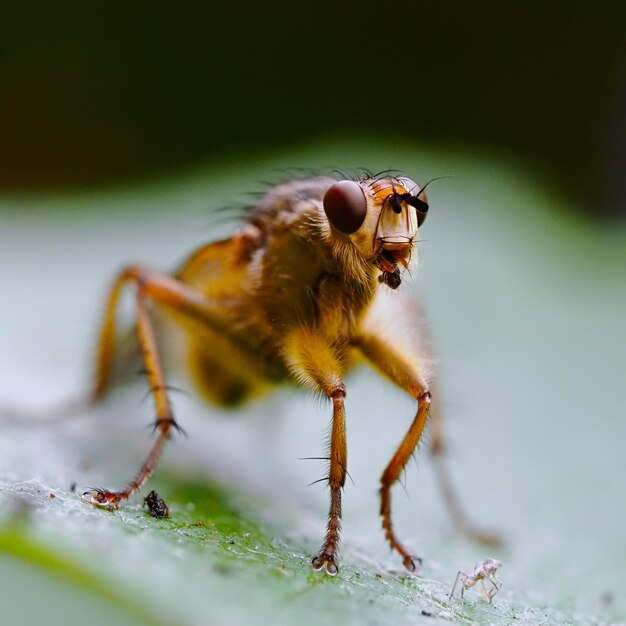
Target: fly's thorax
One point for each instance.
(300, 275)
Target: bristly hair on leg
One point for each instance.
(320, 480)
(172, 422)
(168, 388)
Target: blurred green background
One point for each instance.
(93, 93)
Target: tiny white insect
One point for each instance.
(485, 570)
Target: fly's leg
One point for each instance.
(401, 372)
(166, 291)
(162, 289)
(460, 519)
(390, 361)
(106, 340)
(436, 431)
(326, 557)
(394, 469)
(313, 363)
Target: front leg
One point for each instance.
(314, 362)
(404, 374)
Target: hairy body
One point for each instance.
(287, 288)
(289, 298)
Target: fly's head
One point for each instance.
(381, 217)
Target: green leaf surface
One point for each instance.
(526, 306)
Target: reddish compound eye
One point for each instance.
(345, 206)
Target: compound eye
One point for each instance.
(345, 206)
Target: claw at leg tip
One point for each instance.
(101, 498)
(325, 562)
(410, 563)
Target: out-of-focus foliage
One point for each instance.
(93, 93)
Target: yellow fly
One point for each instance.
(288, 298)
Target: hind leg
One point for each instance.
(460, 519)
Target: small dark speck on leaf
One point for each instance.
(427, 613)
(52, 496)
(73, 487)
(156, 505)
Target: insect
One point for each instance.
(485, 570)
(288, 299)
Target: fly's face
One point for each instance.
(381, 218)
